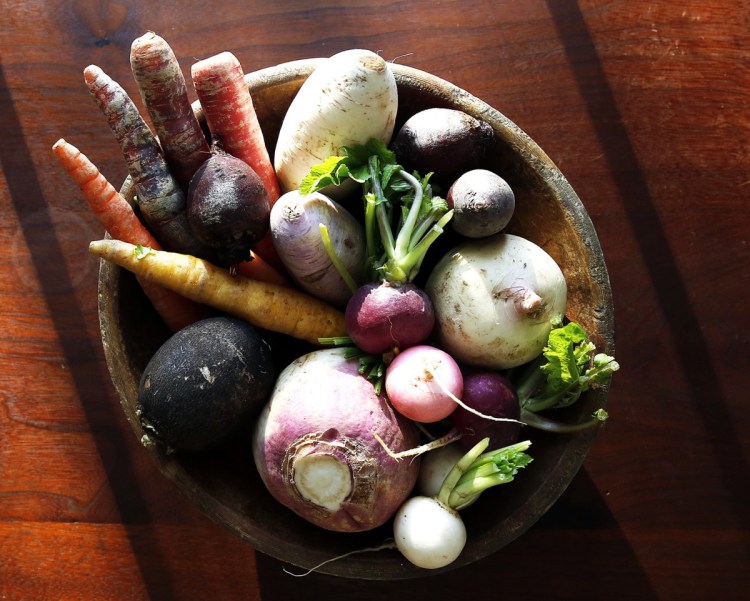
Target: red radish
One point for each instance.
(116, 215)
(315, 449)
(421, 383)
(165, 96)
(160, 198)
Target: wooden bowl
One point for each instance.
(224, 483)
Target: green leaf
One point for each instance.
(388, 170)
(360, 153)
(571, 368)
(332, 171)
(359, 174)
(564, 360)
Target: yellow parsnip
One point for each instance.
(269, 306)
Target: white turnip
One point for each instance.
(315, 448)
(429, 531)
(436, 465)
(295, 229)
(350, 98)
(495, 300)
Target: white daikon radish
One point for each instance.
(350, 98)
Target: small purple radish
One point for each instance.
(482, 202)
(489, 393)
(381, 316)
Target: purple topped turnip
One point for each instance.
(315, 448)
(380, 316)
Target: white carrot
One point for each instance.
(268, 306)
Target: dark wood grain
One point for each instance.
(645, 106)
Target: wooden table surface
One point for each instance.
(645, 106)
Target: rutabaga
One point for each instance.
(350, 98)
(495, 300)
(315, 447)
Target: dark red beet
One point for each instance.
(492, 394)
(380, 316)
(228, 208)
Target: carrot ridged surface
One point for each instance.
(220, 84)
(117, 217)
(165, 96)
(268, 306)
(162, 201)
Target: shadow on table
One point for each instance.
(576, 551)
(104, 420)
(693, 351)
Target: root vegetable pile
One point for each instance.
(407, 354)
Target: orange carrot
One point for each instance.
(267, 306)
(258, 268)
(165, 96)
(231, 117)
(161, 200)
(117, 217)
